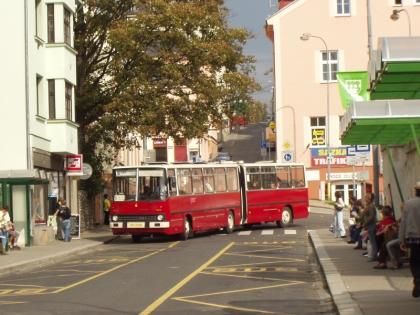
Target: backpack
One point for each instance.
(65, 213)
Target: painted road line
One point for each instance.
(112, 269)
(174, 289)
(267, 232)
(244, 233)
(289, 231)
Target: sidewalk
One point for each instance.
(53, 252)
(357, 288)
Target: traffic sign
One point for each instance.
(272, 125)
(363, 148)
(263, 152)
(362, 175)
(263, 144)
(287, 156)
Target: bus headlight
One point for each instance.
(159, 217)
(114, 218)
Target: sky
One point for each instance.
(251, 14)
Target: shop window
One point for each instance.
(39, 203)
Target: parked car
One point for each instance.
(223, 156)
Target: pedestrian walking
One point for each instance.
(107, 206)
(409, 237)
(338, 216)
(65, 214)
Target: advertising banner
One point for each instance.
(338, 157)
(352, 87)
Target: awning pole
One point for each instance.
(395, 173)
(416, 141)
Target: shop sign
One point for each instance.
(318, 137)
(159, 143)
(341, 176)
(74, 163)
(338, 157)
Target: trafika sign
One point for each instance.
(74, 163)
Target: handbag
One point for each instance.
(338, 208)
(352, 221)
(7, 226)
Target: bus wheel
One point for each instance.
(286, 218)
(187, 230)
(136, 238)
(230, 223)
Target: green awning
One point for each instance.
(380, 122)
(394, 70)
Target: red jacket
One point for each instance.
(381, 225)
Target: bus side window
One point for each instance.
(172, 182)
(220, 179)
(184, 181)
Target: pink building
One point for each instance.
(304, 117)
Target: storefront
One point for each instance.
(160, 146)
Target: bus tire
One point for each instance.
(187, 230)
(286, 218)
(230, 223)
(136, 238)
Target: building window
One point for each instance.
(50, 10)
(417, 1)
(68, 101)
(51, 98)
(399, 2)
(318, 137)
(38, 94)
(67, 28)
(38, 20)
(332, 63)
(343, 7)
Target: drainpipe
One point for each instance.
(28, 143)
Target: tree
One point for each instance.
(163, 69)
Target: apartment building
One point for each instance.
(308, 109)
(37, 112)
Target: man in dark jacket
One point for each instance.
(409, 236)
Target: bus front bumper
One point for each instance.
(139, 225)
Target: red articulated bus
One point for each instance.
(183, 198)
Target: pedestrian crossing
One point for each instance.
(266, 232)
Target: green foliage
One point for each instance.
(164, 69)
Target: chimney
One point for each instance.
(283, 3)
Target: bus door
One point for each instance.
(244, 201)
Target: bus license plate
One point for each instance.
(135, 225)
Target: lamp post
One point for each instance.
(395, 16)
(305, 37)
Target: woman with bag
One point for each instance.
(64, 212)
(5, 227)
(338, 216)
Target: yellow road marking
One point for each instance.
(261, 250)
(260, 263)
(227, 306)
(108, 271)
(164, 297)
(241, 290)
(257, 256)
(9, 302)
(243, 276)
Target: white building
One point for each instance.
(37, 112)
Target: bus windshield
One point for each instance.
(140, 184)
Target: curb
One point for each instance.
(342, 300)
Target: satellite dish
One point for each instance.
(87, 171)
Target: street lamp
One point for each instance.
(395, 16)
(305, 37)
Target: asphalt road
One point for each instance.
(263, 270)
